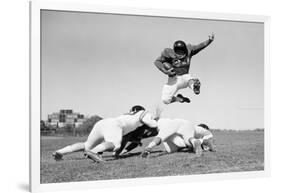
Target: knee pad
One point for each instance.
(87, 146)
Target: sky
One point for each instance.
(102, 64)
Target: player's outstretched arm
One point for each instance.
(197, 48)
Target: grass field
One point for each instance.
(236, 151)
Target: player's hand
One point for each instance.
(171, 72)
(212, 37)
(177, 63)
(144, 154)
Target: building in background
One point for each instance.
(65, 117)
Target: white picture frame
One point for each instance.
(35, 88)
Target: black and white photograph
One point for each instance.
(133, 96)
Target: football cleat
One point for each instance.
(93, 156)
(57, 156)
(196, 86)
(183, 99)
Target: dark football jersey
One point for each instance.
(181, 65)
(134, 138)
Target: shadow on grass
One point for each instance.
(128, 155)
(107, 157)
(153, 154)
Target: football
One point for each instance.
(167, 66)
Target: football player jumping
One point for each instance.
(176, 63)
(107, 134)
(177, 134)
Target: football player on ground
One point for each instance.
(177, 134)
(176, 63)
(107, 134)
(133, 139)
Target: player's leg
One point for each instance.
(58, 154)
(123, 145)
(186, 130)
(168, 95)
(175, 143)
(182, 83)
(112, 134)
(185, 81)
(169, 145)
(103, 147)
(169, 90)
(166, 129)
(155, 142)
(93, 139)
(81, 146)
(178, 141)
(196, 145)
(131, 146)
(193, 83)
(134, 142)
(95, 154)
(96, 136)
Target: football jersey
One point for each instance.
(169, 55)
(130, 122)
(200, 132)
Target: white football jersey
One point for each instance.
(129, 122)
